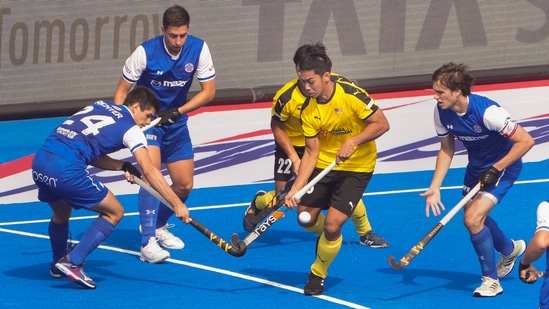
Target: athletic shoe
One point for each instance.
(56, 273)
(250, 212)
(373, 240)
(489, 288)
(314, 286)
(152, 253)
(507, 262)
(167, 239)
(75, 272)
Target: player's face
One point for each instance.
(445, 97)
(175, 38)
(142, 117)
(312, 84)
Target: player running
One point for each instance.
(340, 122)
(495, 146)
(290, 145)
(59, 169)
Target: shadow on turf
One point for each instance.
(97, 269)
(456, 280)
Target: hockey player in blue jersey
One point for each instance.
(495, 147)
(167, 65)
(59, 169)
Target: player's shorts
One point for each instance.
(283, 165)
(542, 215)
(497, 191)
(174, 141)
(58, 178)
(341, 190)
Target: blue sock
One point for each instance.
(148, 211)
(98, 231)
(164, 213)
(59, 234)
(484, 247)
(502, 244)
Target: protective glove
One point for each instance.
(128, 167)
(488, 177)
(169, 117)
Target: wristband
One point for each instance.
(523, 267)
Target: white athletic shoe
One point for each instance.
(507, 262)
(489, 288)
(167, 239)
(152, 253)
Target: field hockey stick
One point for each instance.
(274, 204)
(220, 242)
(152, 124)
(242, 245)
(405, 260)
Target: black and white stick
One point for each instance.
(405, 260)
(242, 245)
(274, 204)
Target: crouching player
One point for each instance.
(59, 169)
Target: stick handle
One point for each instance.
(405, 260)
(315, 180)
(152, 124)
(460, 205)
(152, 191)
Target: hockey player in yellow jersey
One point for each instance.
(340, 122)
(290, 143)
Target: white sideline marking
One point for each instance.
(190, 264)
(228, 272)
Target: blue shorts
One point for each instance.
(174, 141)
(506, 181)
(60, 179)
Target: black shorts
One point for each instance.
(339, 189)
(283, 165)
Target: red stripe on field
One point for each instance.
(490, 87)
(382, 95)
(246, 135)
(15, 166)
(230, 107)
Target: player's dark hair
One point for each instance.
(175, 16)
(303, 50)
(319, 63)
(144, 96)
(454, 77)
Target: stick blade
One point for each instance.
(238, 247)
(235, 242)
(394, 265)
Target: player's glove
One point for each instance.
(128, 167)
(488, 177)
(169, 117)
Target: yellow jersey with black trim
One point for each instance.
(337, 120)
(287, 104)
